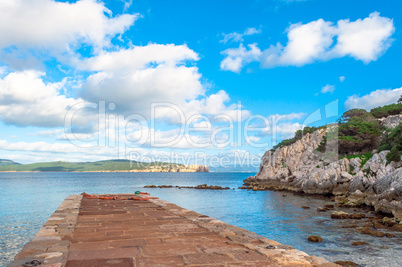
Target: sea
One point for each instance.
(28, 199)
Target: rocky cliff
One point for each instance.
(300, 167)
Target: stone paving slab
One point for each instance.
(151, 233)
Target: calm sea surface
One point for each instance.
(28, 199)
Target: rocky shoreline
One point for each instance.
(299, 168)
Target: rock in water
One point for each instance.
(339, 215)
(368, 231)
(314, 239)
(359, 243)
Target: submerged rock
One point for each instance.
(350, 226)
(359, 243)
(368, 231)
(314, 239)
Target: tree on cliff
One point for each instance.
(359, 131)
(352, 113)
(387, 110)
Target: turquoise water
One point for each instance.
(28, 199)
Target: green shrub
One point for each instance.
(391, 138)
(387, 110)
(393, 155)
(353, 113)
(359, 133)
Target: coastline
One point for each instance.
(281, 218)
(53, 242)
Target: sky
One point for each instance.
(207, 82)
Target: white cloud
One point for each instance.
(342, 78)
(25, 99)
(54, 148)
(291, 116)
(135, 78)
(48, 133)
(374, 99)
(139, 58)
(288, 130)
(283, 130)
(236, 58)
(306, 43)
(277, 125)
(252, 139)
(59, 25)
(127, 4)
(328, 89)
(365, 39)
(238, 37)
(320, 40)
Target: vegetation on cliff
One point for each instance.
(388, 110)
(359, 133)
(298, 135)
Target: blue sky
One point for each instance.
(274, 62)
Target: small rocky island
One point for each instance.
(358, 160)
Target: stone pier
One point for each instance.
(154, 232)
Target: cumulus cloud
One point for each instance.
(59, 25)
(374, 99)
(288, 130)
(138, 77)
(328, 89)
(364, 39)
(342, 78)
(25, 99)
(236, 58)
(306, 43)
(139, 57)
(238, 37)
(132, 79)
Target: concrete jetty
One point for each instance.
(124, 232)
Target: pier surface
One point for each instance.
(99, 232)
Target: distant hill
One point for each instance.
(4, 162)
(101, 166)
